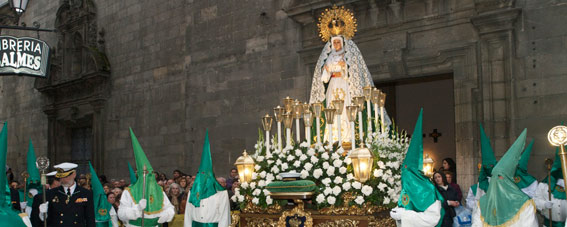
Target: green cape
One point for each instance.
(34, 180)
(504, 200)
(205, 183)
(557, 191)
(488, 160)
(133, 177)
(8, 217)
(154, 192)
(418, 193)
(101, 205)
(522, 178)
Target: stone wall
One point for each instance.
(180, 67)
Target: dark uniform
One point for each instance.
(76, 210)
(15, 197)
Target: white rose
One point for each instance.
(331, 171)
(378, 172)
(359, 200)
(356, 185)
(346, 186)
(304, 174)
(261, 183)
(381, 165)
(270, 162)
(390, 181)
(269, 156)
(317, 173)
(338, 180)
(269, 200)
(266, 192)
(257, 167)
(382, 186)
(325, 155)
(304, 144)
(234, 198)
(275, 170)
(260, 158)
(310, 152)
(349, 176)
(386, 201)
(325, 165)
(326, 181)
(389, 172)
(298, 152)
(290, 157)
(336, 190)
(366, 190)
(348, 160)
(255, 200)
(252, 185)
(314, 159)
(240, 198)
(256, 192)
(327, 191)
(270, 177)
(320, 198)
(302, 157)
(254, 175)
(244, 185)
(331, 200)
(335, 155)
(284, 166)
(278, 162)
(308, 166)
(263, 174)
(337, 163)
(278, 177)
(342, 170)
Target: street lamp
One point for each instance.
(428, 165)
(19, 6)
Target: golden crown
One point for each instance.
(336, 21)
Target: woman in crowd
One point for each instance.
(449, 165)
(177, 198)
(450, 179)
(183, 183)
(450, 196)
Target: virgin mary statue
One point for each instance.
(340, 65)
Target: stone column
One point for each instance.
(98, 135)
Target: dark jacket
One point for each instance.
(15, 197)
(449, 194)
(77, 210)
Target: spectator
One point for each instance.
(232, 178)
(222, 181)
(102, 179)
(177, 174)
(162, 177)
(115, 183)
(449, 165)
(107, 187)
(117, 191)
(449, 175)
(177, 198)
(450, 196)
(111, 197)
(183, 183)
(123, 183)
(14, 185)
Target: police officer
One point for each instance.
(68, 204)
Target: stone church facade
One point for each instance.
(172, 69)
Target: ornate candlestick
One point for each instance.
(382, 104)
(288, 122)
(359, 101)
(267, 124)
(317, 109)
(330, 117)
(351, 114)
(297, 114)
(339, 104)
(376, 101)
(557, 136)
(307, 121)
(278, 112)
(288, 104)
(367, 91)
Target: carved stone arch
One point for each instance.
(77, 87)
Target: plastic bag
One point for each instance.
(463, 217)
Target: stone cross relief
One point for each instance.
(435, 135)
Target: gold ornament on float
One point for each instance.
(336, 21)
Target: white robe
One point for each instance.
(428, 218)
(527, 218)
(531, 189)
(472, 198)
(128, 210)
(214, 209)
(338, 86)
(113, 217)
(558, 211)
(26, 219)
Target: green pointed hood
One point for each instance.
(34, 180)
(205, 183)
(488, 160)
(101, 205)
(418, 193)
(556, 174)
(154, 192)
(522, 178)
(133, 177)
(8, 217)
(503, 200)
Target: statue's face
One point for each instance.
(337, 44)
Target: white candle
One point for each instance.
(330, 129)
(339, 129)
(288, 136)
(318, 130)
(308, 135)
(280, 136)
(382, 119)
(267, 141)
(360, 126)
(298, 131)
(368, 114)
(376, 114)
(352, 134)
